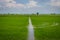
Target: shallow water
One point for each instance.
(30, 31)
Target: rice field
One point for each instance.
(13, 27)
(46, 27)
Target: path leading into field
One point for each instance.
(30, 31)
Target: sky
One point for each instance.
(29, 6)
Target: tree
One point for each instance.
(37, 13)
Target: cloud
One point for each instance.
(32, 4)
(7, 1)
(55, 3)
(12, 3)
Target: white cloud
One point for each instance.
(7, 1)
(12, 3)
(55, 3)
(32, 4)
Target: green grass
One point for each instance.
(46, 27)
(13, 27)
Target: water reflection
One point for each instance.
(30, 31)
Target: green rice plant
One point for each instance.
(47, 27)
(13, 27)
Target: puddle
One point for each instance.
(55, 24)
(43, 25)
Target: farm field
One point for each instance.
(13, 27)
(46, 27)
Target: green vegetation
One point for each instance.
(46, 27)
(13, 27)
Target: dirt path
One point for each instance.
(30, 31)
